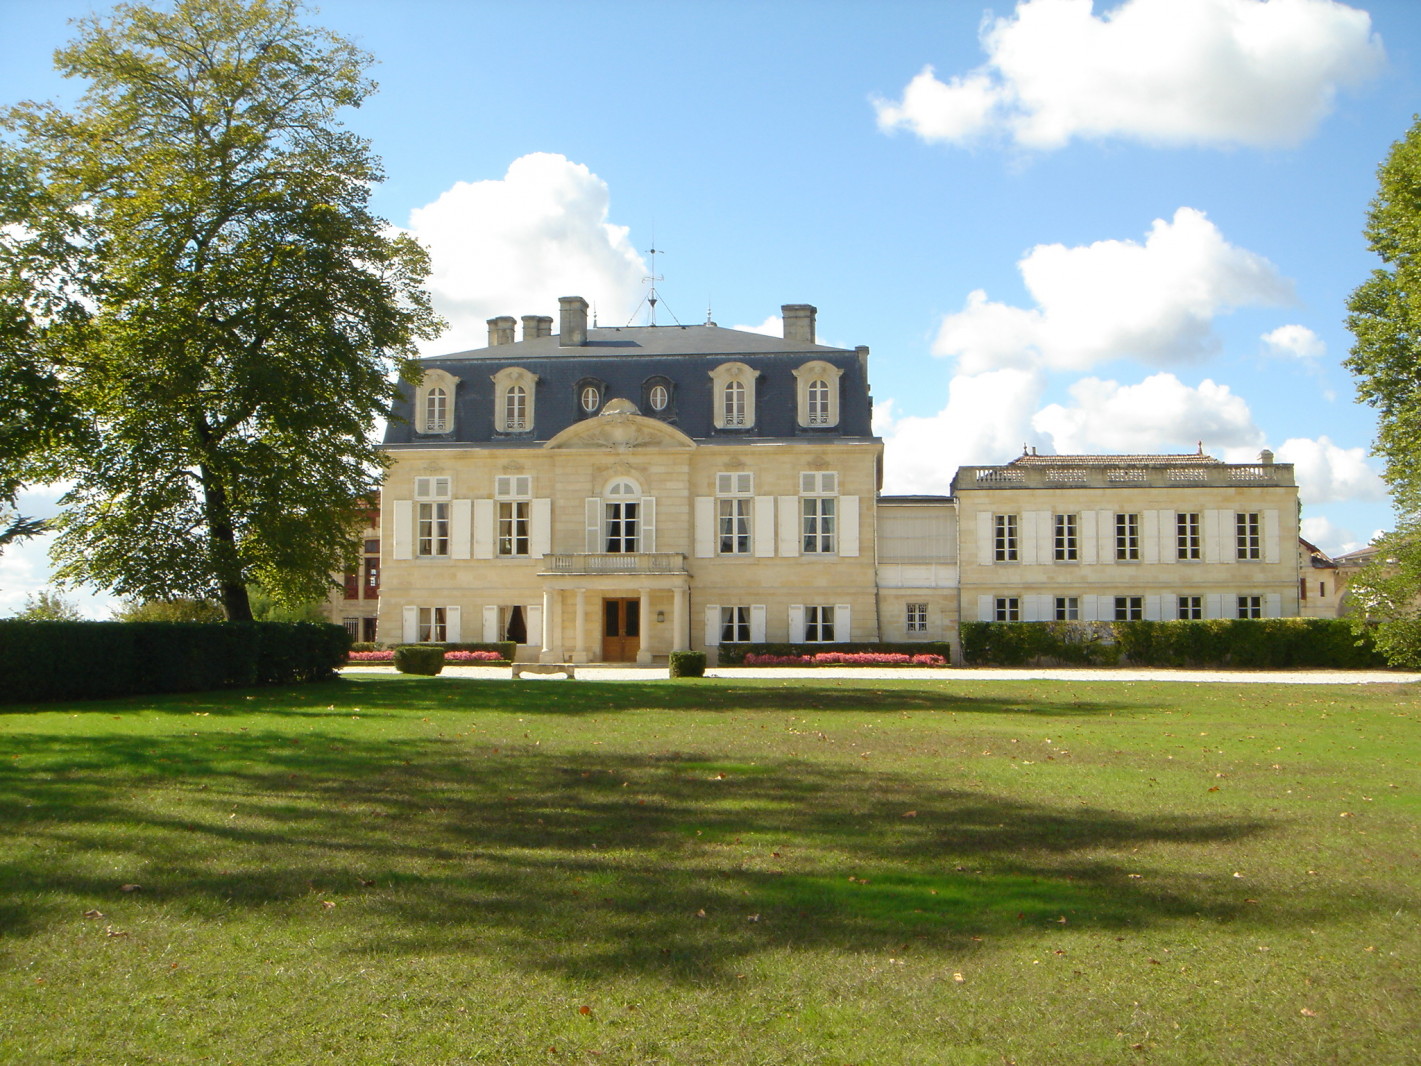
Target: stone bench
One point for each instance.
(519, 669)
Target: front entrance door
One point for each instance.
(621, 630)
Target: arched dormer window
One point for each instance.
(513, 400)
(818, 394)
(734, 396)
(433, 402)
(590, 397)
(436, 411)
(658, 398)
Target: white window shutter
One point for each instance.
(984, 609)
(1212, 547)
(490, 624)
(1046, 537)
(646, 535)
(1273, 605)
(593, 519)
(1087, 540)
(1168, 539)
(1270, 540)
(534, 614)
(1149, 537)
(848, 526)
(411, 628)
(1105, 535)
(712, 625)
(451, 625)
(1153, 605)
(843, 627)
(1214, 604)
(1029, 609)
(789, 526)
(764, 527)
(757, 623)
(704, 532)
(1090, 608)
(461, 520)
(1168, 604)
(541, 515)
(483, 529)
(1026, 540)
(984, 538)
(796, 623)
(404, 530)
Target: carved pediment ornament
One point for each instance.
(818, 463)
(620, 430)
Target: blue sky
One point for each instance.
(1203, 166)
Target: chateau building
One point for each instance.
(617, 494)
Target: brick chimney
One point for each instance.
(573, 328)
(500, 330)
(799, 322)
(535, 326)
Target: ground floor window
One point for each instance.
(735, 625)
(819, 625)
(917, 618)
(513, 624)
(1191, 608)
(1068, 608)
(433, 628)
(1250, 606)
(352, 626)
(1008, 609)
(1129, 608)
(369, 628)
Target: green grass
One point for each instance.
(392, 870)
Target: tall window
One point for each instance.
(1004, 538)
(819, 625)
(1127, 537)
(513, 527)
(622, 518)
(1191, 608)
(436, 411)
(1250, 536)
(515, 408)
(1129, 608)
(734, 526)
(433, 627)
(818, 508)
(1068, 609)
(1008, 609)
(1250, 606)
(734, 400)
(735, 625)
(1187, 539)
(1067, 540)
(818, 402)
(434, 529)
(917, 618)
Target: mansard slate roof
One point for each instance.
(623, 360)
(1188, 459)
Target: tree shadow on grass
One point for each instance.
(581, 864)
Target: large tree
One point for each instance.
(250, 311)
(1385, 319)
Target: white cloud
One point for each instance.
(1329, 474)
(1297, 342)
(1154, 302)
(1331, 538)
(1202, 72)
(1160, 414)
(773, 326)
(512, 246)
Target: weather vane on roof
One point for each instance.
(651, 299)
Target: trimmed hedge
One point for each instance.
(687, 664)
(425, 659)
(734, 654)
(1240, 643)
(47, 661)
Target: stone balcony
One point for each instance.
(1124, 475)
(613, 563)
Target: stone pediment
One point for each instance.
(620, 428)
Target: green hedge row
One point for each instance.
(46, 661)
(1261, 643)
(734, 654)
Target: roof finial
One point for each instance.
(1201, 447)
(1025, 450)
(594, 314)
(709, 321)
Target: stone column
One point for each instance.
(550, 606)
(581, 653)
(644, 654)
(681, 630)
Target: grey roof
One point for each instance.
(1188, 459)
(891, 501)
(625, 363)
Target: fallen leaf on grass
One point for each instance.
(959, 978)
(1345, 814)
(1237, 874)
(111, 931)
(1214, 788)
(1308, 1013)
(129, 888)
(93, 914)
(910, 814)
(584, 1010)
(701, 913)
(327, 904)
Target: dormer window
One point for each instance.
(733, 397)
(734, 392)
(818, 402)
(659, 398)
(433, 409)
(591, 398)
(515, 408)
(513, 400)
(436, 411)
(818, 406)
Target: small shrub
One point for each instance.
(687, 664)
(424, 659)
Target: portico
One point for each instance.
(615, 608)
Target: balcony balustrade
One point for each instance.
(617, 563)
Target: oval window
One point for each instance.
(659, 397)
(590, 398)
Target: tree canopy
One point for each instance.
(249, 311)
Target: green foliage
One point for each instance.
(1263, 643)
(267, 609)
(47, 606)
(426, 659)
(734, 654)
(46, 661)
(252, 314)
(175, 610)
(687, 664)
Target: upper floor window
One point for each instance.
(507, 486)
(1004, 543)
(733, 397)
(436, 411)
(1188, 542)
(733, 512)
(734, 393)
(513, 400)
(434, 529)
(431, 488)
(515, 408)
(1127, 537)
(1067, 538)
(819, 511)
(818, 400)
(1250, 536)
(433, 410)
(622, 517)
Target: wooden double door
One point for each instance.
(621, 630)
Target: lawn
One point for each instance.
(396, 870)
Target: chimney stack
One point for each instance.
(535, 326)
(799, 322)
(573, 328)
(500, 330)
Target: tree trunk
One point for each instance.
(224, 547)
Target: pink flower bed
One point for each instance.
(372, 656)
(388, 656)
(846, 658)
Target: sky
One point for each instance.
(1110, 227)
